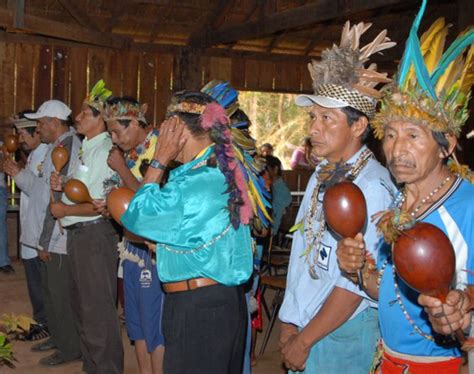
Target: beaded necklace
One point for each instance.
(425, 199)
(398, 203)
(316, 215)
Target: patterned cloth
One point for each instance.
(353, 98)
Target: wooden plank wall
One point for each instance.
(32, 73)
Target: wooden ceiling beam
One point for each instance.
(18, 9)
(55, 29)
(319, 11)
(78, 14)
(6, 37)
(118, 10)
(159, 22)
(276, 39)
(212, 22)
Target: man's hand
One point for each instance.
(58, 210)
(100, 206)
(116, 160)
(44, 255)
(448, 317)
(294, 352)
(170, 141)
(351, 255)
(56, 182)
(11, 167)
(286, 330)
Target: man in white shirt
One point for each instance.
(30, 143)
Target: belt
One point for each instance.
(79, 225)
(188, 285)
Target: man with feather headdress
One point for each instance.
(419, 122)
(92, 243)
(330, 324)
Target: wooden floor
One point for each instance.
(14, 299)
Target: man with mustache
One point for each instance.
(329, 325)
(419, 123)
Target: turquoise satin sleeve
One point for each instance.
(189, 220)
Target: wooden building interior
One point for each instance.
(152, 48)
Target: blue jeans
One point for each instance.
(349, 349)
(4, 259)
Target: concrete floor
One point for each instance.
(14, 299)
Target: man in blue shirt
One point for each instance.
(329, 323)
(419, 127)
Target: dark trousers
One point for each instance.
(93, 260)
(55, 281)
(204, 331)
(33, 281)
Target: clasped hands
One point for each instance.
(294, 351)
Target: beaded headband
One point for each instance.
(124, 111)
(186, 107)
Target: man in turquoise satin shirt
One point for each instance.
(199, 220)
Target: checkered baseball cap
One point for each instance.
(335, 96)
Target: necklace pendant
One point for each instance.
(312, 272)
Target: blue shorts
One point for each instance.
(143, 300)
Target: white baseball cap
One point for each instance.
(325, 102)
(52, 109)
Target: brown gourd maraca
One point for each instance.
(425, 260)
(118, 201)
(59, 157)
(11, 143)
(77, 192)
(345, 209)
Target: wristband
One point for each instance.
(155, 164)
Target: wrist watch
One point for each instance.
(155, 164)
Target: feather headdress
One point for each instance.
(433, 88)
(98, 95)
(227, 97)
(341, 74)
(125, 110)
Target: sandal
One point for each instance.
(37, 332)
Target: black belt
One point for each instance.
(79, 225)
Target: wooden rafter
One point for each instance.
(213, 21)
(159, 21)
(55, 29)
(78, 14)
(252, 10)
(319, 11)
(276, 39)
(18, 9)
(118, 10)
